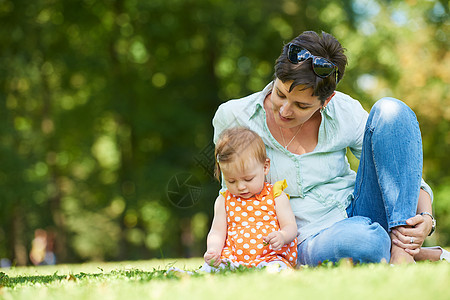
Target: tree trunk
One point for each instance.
(19, 248)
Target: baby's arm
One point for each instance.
(217, 234)
(286, 219)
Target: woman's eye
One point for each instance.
(280, 95)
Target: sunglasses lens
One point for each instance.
(297, 54)
(322, 67)
(292, 53)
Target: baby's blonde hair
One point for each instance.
(233, 143)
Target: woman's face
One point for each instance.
(294, 108)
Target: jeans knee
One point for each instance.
(367, 242)
(391, 109)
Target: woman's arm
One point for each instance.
(286, 219)
(424, 204)
(217, 234)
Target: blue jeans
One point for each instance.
(386, 190)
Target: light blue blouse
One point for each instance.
(320, 183)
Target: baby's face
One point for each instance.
(245, 180)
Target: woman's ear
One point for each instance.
(266, 166)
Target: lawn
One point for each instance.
(148, 280)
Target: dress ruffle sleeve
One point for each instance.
(278, 187)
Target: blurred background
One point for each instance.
(106, 108)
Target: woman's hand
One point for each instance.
(412, 237)
(212, 258)
(275, 239)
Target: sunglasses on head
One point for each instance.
(322, 67)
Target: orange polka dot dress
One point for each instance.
(249, 221)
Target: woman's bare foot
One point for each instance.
(429, 253)
(399, 255)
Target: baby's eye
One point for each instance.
(249, 179)
(230, 181)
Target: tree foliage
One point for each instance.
(105, 103)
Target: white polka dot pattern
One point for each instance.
(251, 221)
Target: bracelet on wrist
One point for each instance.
(433, 221)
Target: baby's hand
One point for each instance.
(275, 239)
(212, 258)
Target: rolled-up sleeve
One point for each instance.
(218, 123)
(224, 118)
(424, 186)
(360, 120)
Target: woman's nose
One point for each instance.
(285, 109)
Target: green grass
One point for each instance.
(148, 280)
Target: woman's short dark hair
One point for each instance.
(324, 45)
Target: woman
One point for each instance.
(382, 213)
